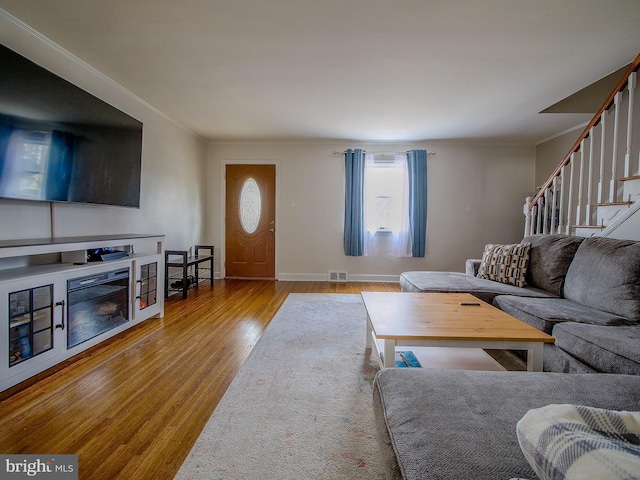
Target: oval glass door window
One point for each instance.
(250, 205)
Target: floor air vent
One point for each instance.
(338, 277)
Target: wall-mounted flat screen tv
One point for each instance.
(58, 143)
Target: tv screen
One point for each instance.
(59, 143)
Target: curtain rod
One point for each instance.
(381, 153)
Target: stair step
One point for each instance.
(587, 230)
(634, 177)
(631, 188)
(608, 212)
(611, 204)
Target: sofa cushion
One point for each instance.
(505, 263)
(456, 282)
(605, 274)
(557, 360)
(606, 349)
(549, 260)
(544, 314)
(462, 424)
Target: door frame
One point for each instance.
(223, 209)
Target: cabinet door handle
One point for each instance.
(61, 304)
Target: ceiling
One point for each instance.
(366, 70)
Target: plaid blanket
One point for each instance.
(578, 442)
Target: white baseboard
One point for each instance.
(374, 278)
(323, 277)
(302, 277)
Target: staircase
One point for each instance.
(595, 190)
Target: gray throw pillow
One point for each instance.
(549, 260)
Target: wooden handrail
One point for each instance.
(635, 65)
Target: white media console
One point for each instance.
(56, 303)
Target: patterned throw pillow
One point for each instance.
(505, 263)
(572, 442)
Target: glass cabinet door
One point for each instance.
(149, 281)
(148, 285)
(30, 323)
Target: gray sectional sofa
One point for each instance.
(583, 291)
(448, 424)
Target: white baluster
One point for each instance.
(534, 219)
(570, 194)
(580, 184)
(561, 200)
(603, 130)
(547, 201)
(540, 215)
(554, 204)
(613, 188)
(527, 216)
(589, 180)
(631, 83)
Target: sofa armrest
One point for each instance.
(472, 265)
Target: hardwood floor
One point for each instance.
(132, 407)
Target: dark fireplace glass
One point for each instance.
(97, 304)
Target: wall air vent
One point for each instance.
(338, 277)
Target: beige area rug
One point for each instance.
(301, 405)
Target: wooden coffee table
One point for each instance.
(443, 320)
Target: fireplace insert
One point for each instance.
(97, 303)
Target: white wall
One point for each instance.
(551, 152)
(492, 181)
(173, 187)
(475, 193)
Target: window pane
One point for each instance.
(384, 189)
(250, 205)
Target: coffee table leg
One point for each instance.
(369, 342)
(389, 353)
(534, 357)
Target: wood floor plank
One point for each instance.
(133, 406)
